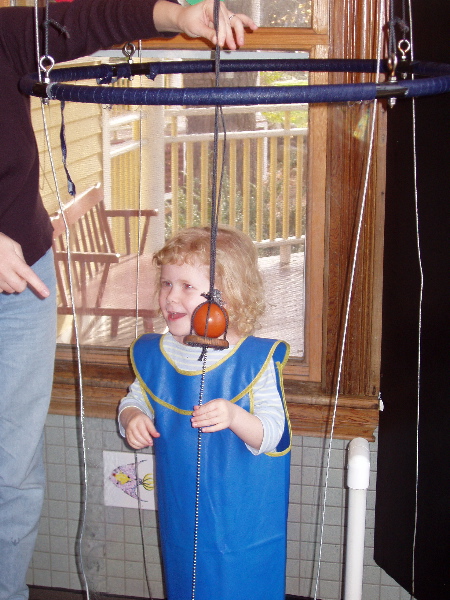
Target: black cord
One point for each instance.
(215, 205)
(217, 182)
(396, 22)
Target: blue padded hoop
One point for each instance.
(431, 79)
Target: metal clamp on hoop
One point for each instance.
(46, 64)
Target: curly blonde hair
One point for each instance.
(236, 272)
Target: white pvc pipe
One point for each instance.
(358, 473)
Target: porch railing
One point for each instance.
(263, 189)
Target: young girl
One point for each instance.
(245, 455)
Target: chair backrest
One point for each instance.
(88, 226)
(92, 248)
(90, 243)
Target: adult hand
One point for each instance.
(198, 21)
(15, 274)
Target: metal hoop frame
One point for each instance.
(429, 79)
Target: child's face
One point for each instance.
(181, 289)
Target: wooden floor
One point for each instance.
(284, 290)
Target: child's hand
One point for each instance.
(214, 415)
(139, 428)
(221, 414)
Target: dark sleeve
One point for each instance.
(91, 25)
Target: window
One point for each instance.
(320, 170)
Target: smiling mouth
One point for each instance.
(174, 316)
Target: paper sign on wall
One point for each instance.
(128, 482)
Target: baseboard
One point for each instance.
(38, 592)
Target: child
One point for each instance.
(244, 470)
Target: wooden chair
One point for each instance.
(104, 281)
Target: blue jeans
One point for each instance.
(27, 354)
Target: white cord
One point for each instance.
(138, 265)
(347, 310)
(136, 331)
(74, 315)
(77, 346)
(419, 329)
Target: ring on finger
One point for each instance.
(231, 16)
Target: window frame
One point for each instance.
(310, 381)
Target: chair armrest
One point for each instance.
(131, 212)
(100, 257)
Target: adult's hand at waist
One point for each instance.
(15, 274)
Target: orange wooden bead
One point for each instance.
(212, 325)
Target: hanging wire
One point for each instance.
(36, 35)
(78, 355)
(403, 23)
(139, 234)
(74, 312)
(419, 340)
(136, 330)
(216, 182)
(394, 22)
(215, 205)
(419, 326)
(197, 481)
(77, 351)
(141, 526)
(348, 307)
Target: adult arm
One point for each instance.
(82, 27)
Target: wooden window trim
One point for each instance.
(107, 372)
(264, 38)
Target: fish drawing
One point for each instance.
(125, 478)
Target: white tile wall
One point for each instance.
(113, 552)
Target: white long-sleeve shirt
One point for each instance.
(268, 406)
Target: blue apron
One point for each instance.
(243, 499)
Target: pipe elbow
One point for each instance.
(358, 464)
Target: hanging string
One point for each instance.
(73, 307)
(136, 329)
(77, 353)
(347, 310)
(215, 205)
(405, 29)
(420, 308)
(62, 136)
(141, 526)
(216, 182)
(36, 35)
(419, 343)
(77, 350)
(139, 235)
(46, 58)
(197, 482)
(394, 22)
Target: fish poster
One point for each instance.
(127, 482)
